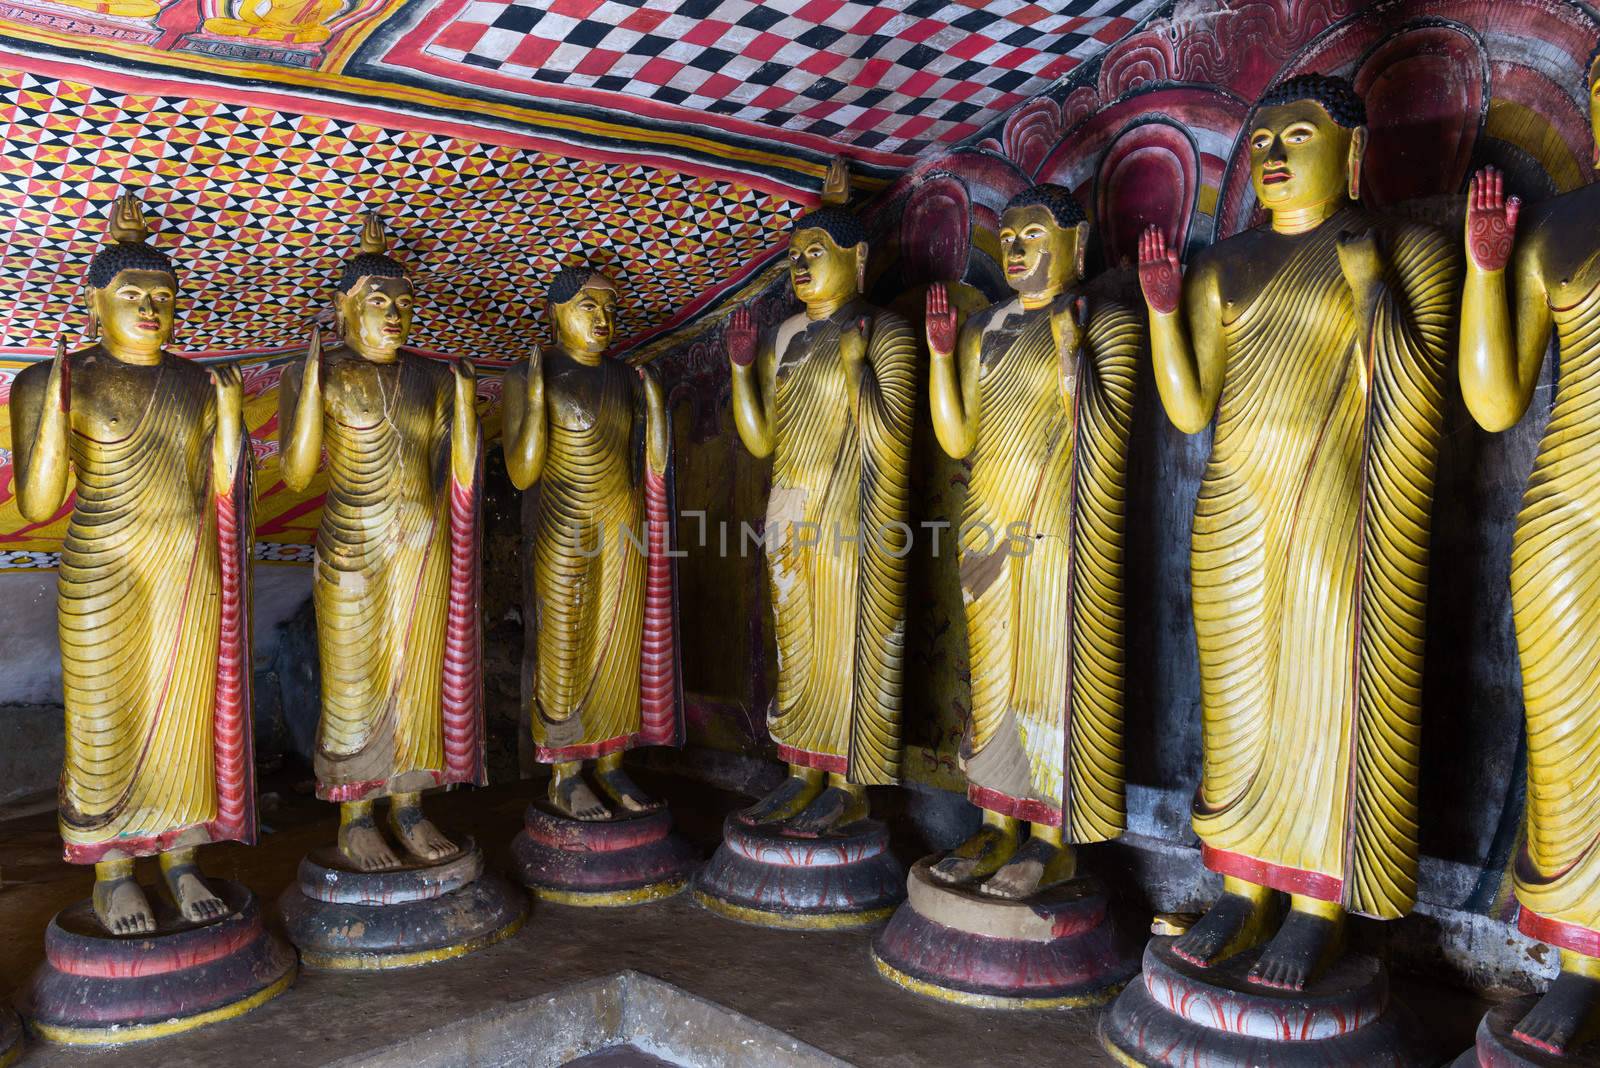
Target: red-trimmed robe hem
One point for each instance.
(1264, 873)
(1559, 933)
(828, 762)
(1022, 808)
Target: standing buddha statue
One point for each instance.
(1319, 344)
(1037, 394)
(154, 585)
(829, 395)
(1511, 303)
(589, 434)
(396, 580)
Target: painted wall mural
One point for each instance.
(766, 89)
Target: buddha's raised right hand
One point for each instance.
(740, 338)
(1160, 274)
(1491, 220)
(940, 321)
(59, 384)
(311, 377)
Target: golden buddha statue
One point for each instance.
(395, 587)
(830, 396)
(280, 21)
(1037, 392)
(590, 434)
(1510, 304)
(154, 585)
(1319, 343)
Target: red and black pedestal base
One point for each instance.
(1179, 1014)
(1059, 948)
(100, 989)
(1498, 1047)
(764, 876)
(398, 918)
(601, 863)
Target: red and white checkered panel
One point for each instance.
(893, 76)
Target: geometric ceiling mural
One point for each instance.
(764, 88)
(259, 208)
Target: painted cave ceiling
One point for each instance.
(671, 140)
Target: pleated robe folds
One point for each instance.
(836, 541)
(1041, 570)
(1310, 568)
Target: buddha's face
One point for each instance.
(1594, 108)
(587, 322)
(1299, 157)
(820, 270)
(377, 315)
(1038, 254)
(135, 311)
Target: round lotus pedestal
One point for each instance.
(601, 863)
(399, 918)
(99, 989)
(1057, 949)
(767, 877)
(1178, 1014)
(1498, 1047)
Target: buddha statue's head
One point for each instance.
(132, 293)
(827, 257)
(582, 305)
(1306, 140)
(375, 302)
(1043, 235)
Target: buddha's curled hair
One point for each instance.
(840, 224)
(1056, 199)
(121, 256)
(368, 265)
(1335, 95)
(570, 281)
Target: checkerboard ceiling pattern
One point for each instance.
(894, 76)
(259, 209)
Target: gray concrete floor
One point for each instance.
(818, 987)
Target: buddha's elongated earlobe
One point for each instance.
(1358, 148)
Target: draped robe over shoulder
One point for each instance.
(1555, 563)
(837, 543)
(1309, 568)
(396, 586)
(1044, 610)
(601, 644)
(153, 616)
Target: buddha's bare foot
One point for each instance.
(122, 908)
(1039, 864)
(978, 857)
(572, 797)
(196, 903)
(363, 845)
(1301, 950)
(417, 834)
(1565, 1018)
(786, 802)
(834, 808)
(1232, 925)
(624, 794)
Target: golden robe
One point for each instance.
(1555, 559)
(600, 644)
(837, 543)
(395, 588)
(1309, 568)
(1041, 571)
(153, 613)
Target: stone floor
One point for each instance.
(819, 988)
